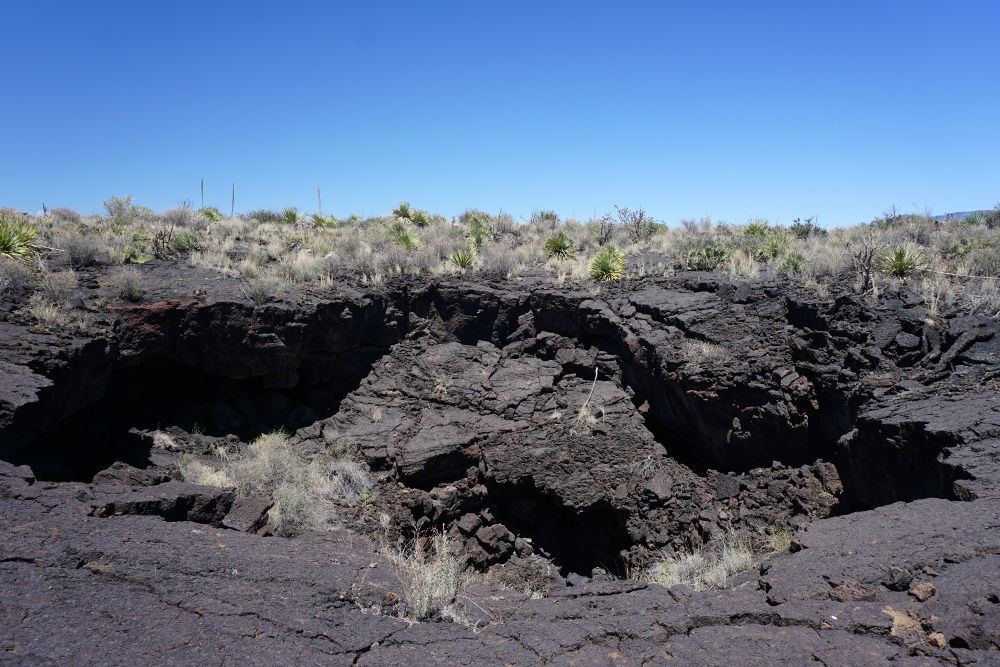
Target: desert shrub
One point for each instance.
(177, 217)
(499, 260)
(985, 261)
(900, 261)
(18, 238)
(804, 229)
(44, 311)
(742, 264)
(324, 222)
(707, 256)
(263, 288)
(122, 210)
(639, 226)
(66, 216)
(57, 287)
(607, 265)
(185, 241)
(792, 263)
(711, 567)
(15, 276)
(559, 246)
(82, 250)
(212, 213)
(432, 575)
(544, 221)
(264, 215)
(304, 489)
(128, 284)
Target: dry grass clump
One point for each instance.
(57, 287)
(304, 490)
(709, 568)
(82, 250)
(700, 351)
(432, 574)
(128, 284)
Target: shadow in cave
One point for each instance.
(575, 541)
(162, 393)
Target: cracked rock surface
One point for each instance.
(580, 434)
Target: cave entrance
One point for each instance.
(161, 393)
(575, 541)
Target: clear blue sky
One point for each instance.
(728, 109)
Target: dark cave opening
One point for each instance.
(162, 393)
(576, 541)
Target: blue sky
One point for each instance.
(728, 109)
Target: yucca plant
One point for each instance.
(18, 238)
(403, 236)
(324, 221)
(403, 211)
(480, 232)
(900, 261)
(609, 264)
(421, 218)
(757, 228)
(792, 263)
(290, 215)
(559, 246)
(463, 258)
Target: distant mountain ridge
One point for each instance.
(959, 214)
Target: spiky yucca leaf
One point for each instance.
(900, 261)
(18, 238)
(559, 246)
(609, 264)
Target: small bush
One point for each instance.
(82, 250)
(185, 241)
(559, 246)
(432, 575)
(262, 288)
(44, 311)
(707, 257)
(607, 265)
(15, 276)
(804, 229)
(212, 213)
(900, 261)
(121, 210)
(128, 284)
(264, 215)
(289, 215)
(757, 229)
(57, 287)
(499, 260)
(66, 215)
(18, 238)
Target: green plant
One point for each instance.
(756, 228)
(18, 238)
(792, 263)
(707, 257)
(770, 245)
(403, 210)
(130, 254)
(976, 218)
(804, 229)
(211, 213)
(607, 265)
(186, 241)
(264, 215)
(559, 246)
(900, 261)
(463, 258)
(290, 215)
(324, 221)
(120, 210)
(480, 229)
(400, 234)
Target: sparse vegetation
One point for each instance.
(710, 567)
(432, 573)
(128, 284)
(305, 490)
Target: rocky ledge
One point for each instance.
(563, 439)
